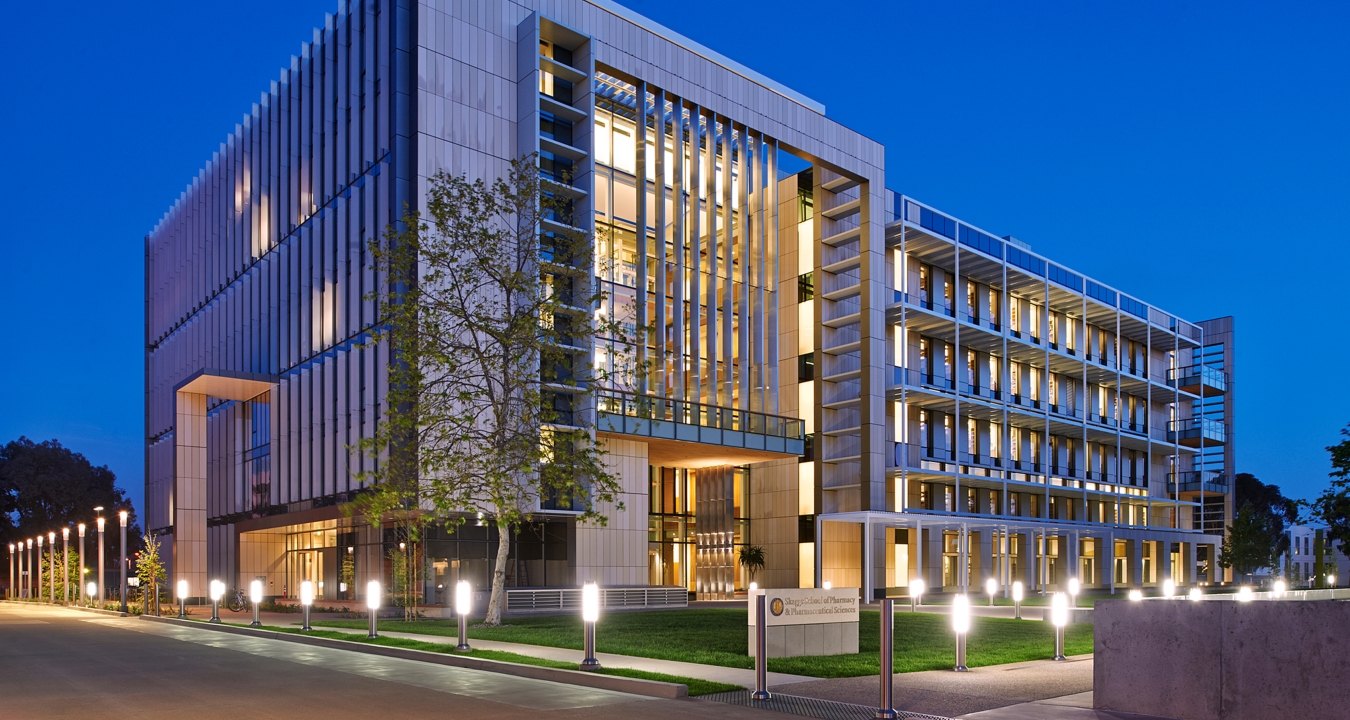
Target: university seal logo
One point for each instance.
(776, 606)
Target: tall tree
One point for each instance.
(1333, 505)
(1256, 538)
(46, 486)
(490, 321)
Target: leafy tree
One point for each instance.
(489, 321)
(46, 486)
(1333, 505)
(1256, 538)
(151, 571)
(752, 559)
(70, 578)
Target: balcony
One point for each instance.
(1199, 380)
(1195, 432)
(679, 420)
(1205, 482)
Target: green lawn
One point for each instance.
(717, 636)
(695, 685)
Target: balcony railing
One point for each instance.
(634, 414)
(1199, 379)
(1193, 432)
(1209, 481)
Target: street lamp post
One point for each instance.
(51, 566)
(65, 565)
(80, 580)
(122, 519)
(39, 559)
(102, 594)
(31, 594)
(10, 589)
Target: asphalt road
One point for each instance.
(57, 663)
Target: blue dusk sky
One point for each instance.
(1195, 155)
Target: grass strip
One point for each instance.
(696, 686)
(719, 636)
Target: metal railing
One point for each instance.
(1205, 375)
(650, 407)
(522, 599)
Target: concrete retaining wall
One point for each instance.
(1223, 660)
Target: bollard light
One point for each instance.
(182, 599)
(1074, 588)
(1244, 594)
(590, 614)
(761, 615)
(463, 606)
(1279, 588)
(991, 588)
(1059, 615)
(1169, 588)
(255, 596)
(1331, 580)
(89, 589)
(306, 600)
(915, 593)
(1194, 594)
(961, 626)
(754, 587)
(827, 585)
(1017, 600)
(373, 599)
(1136, 595)
(216, 589)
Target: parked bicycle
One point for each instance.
(236, 601)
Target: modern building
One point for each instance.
(1299, 564)
(866, 387)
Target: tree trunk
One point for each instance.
(498, 599)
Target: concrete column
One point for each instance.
(1028, 559)
(1106, 562)
(1188, 563)
(189, 492)
(988, 567)
(867, 555)
(963, 566)
(1165, 551)
(1136, 578)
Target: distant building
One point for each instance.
(869, 388)
(1299, 564)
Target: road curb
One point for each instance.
(616, 683)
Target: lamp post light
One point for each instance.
(1059, 615)
(306, 600)
(81, 558)
(1136, 595)
(31, 594)
(991, 589)
(122, 519)
(463, 605)
(255, 596)
(182, 599)
(1169, 588)
(916, 588)
(1194, 594)
(216, 590)
(10, 588)
(40, 540)
(590, 614)
(961, 626)
(102, 593)
(1279, 588)
(1018, 594)
(65, 565)
(373, 604)
(51, 566)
